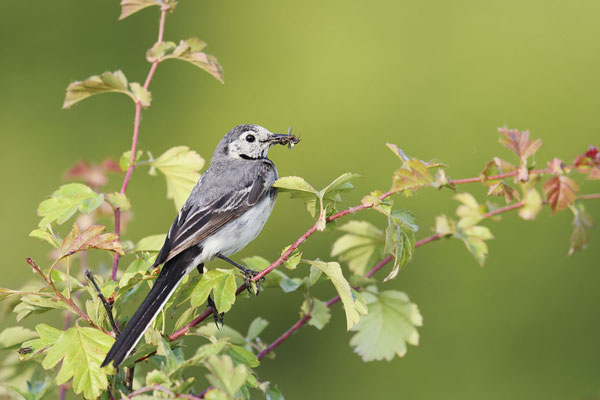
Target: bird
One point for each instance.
(225, 211)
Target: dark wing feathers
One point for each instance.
(194, 224)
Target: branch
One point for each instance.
(105, 303)
(134, 139)
(65, 300)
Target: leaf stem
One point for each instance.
(65, 300)
(134, 139)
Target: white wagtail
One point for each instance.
(226, 210)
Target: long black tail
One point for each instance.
(171, 274)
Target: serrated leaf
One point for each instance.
(91, 238)
(389, 326)
(81, 350)
(225, 332)
(470, 212)
(140, 94)
(47, 337)
(66, 201)
(107, 82)
(503, 190)
(189, 50)
(150, 243)
(560, 191)
(474, 238)
(353, 307)
(362, 246)
(119, 200)
(400, 239)
(129, 7)
(137, 268)
(221, 282)
(383, 206)
(180, 166)
(522, 146)
(319, 312)
(45, 236)
(582, 225)
(412, 176)
(532, 204)
(495, 167)
(224, 376)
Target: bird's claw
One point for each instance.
(218, 317)
(249, 275)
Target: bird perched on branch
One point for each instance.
(226, 210)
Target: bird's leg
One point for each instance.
(216, 315)
(249, 274)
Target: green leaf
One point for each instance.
(107, 82)
(256, 327)
(137, 268)
(352, 304)
(362, 246)
(215, 394)
(129, 7)
(242, 356)
(474, 238)
(81, 350)
(275, 278)
(91, 238)
(444, 226)
(125, 159)
(582, 225)
(413, 174)
(317, 203)
(66, 201)
(273, 393)
(13, 336)
(37, 304)
(180, 166)
(388, 328)
(150, 243)
(383, 206)
(189, 50)
(532, 204)
(319, 312)
(470, 212)
(400, 239)
(46, 236)
(140, 94)
(47, 337)
(119, 200)
(293, 260)
(221, 282)
(225, 332)
(224, 376)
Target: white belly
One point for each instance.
(235, 235)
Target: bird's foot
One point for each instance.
(249, 275)
(218, 317)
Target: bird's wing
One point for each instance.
(195, 223)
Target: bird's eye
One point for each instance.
(250, 138)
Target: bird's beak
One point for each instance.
(284, 139)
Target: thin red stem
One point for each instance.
(134, 140)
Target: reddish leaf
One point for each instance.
(503, 190)
(519, 142)
(94, 175)
(412, 176)
(556, 166)
(495, 167)
(560, 192)
(92, 237)
(591, 156)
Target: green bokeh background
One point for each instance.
(435, 77)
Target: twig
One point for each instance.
(107, 306)
(65, 300)
(134, 139)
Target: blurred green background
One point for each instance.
(435, 77)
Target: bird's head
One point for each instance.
(251, 142)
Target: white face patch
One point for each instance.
(251, 144)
